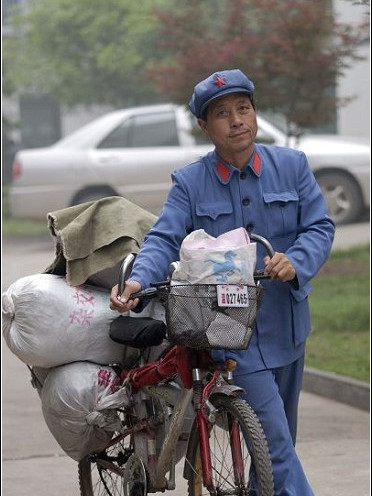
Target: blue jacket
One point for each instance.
(275, 196)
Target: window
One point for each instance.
(118, 138)
(157, 129)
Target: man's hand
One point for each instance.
(122, 303)
(279, 267)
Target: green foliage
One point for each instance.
(85, 51)
(293, 50)
(121, 52)
(339, 303)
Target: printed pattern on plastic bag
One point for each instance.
(228, 259)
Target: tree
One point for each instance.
(122, 52)
(293, 50)
(82, 51)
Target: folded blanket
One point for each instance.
(96, 236)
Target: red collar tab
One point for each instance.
(256, 163)
(223, 171)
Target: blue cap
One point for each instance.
(219, 84)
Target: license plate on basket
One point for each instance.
(232, 295)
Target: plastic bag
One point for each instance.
(228, 259)
(47, 323)
(79, 402)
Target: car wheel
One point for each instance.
(92, 194)
(343, 196)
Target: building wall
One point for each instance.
(354, 119)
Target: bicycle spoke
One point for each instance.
(228, 480)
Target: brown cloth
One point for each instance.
(93, 238)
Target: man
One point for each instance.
(270, 191)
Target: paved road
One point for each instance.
(333, 440)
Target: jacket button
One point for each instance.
(246, 201)
(249, 227)
(243, 175)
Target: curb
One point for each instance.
(337, 387)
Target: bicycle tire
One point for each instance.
(96, 481)
(256, 456)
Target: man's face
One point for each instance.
(232, 125)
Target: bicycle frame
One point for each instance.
(153, 463)
(179, 399)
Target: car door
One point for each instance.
(137, 157)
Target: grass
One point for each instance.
(340, 303)
(19, 227)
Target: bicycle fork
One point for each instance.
(205, 414)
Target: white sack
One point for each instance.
(228, 259)
(38, 376)
(47, 323)
(79, 402)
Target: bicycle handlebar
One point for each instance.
(126, 268)
(263, 241)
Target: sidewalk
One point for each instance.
(333, 438)
(333, 444)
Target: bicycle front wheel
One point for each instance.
(250, 447)
(101, 474)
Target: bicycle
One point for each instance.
(225, 450)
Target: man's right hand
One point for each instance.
(122, 303)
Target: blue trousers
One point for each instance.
(274, 394)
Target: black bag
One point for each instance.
(137, 332)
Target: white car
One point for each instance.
(132, 152)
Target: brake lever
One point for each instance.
(144, 293)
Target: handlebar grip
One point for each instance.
(124, 272)
(260, 274)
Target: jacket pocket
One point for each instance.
(282, 208)
(300, 318)
(213, 210)
(208, 213)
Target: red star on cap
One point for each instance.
(219, 81)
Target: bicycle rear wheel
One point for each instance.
(258, 479)
(101, 474)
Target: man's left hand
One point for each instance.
(279, 267)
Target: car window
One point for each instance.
(157, 129)
(119, 137)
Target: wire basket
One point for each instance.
(195, 320)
